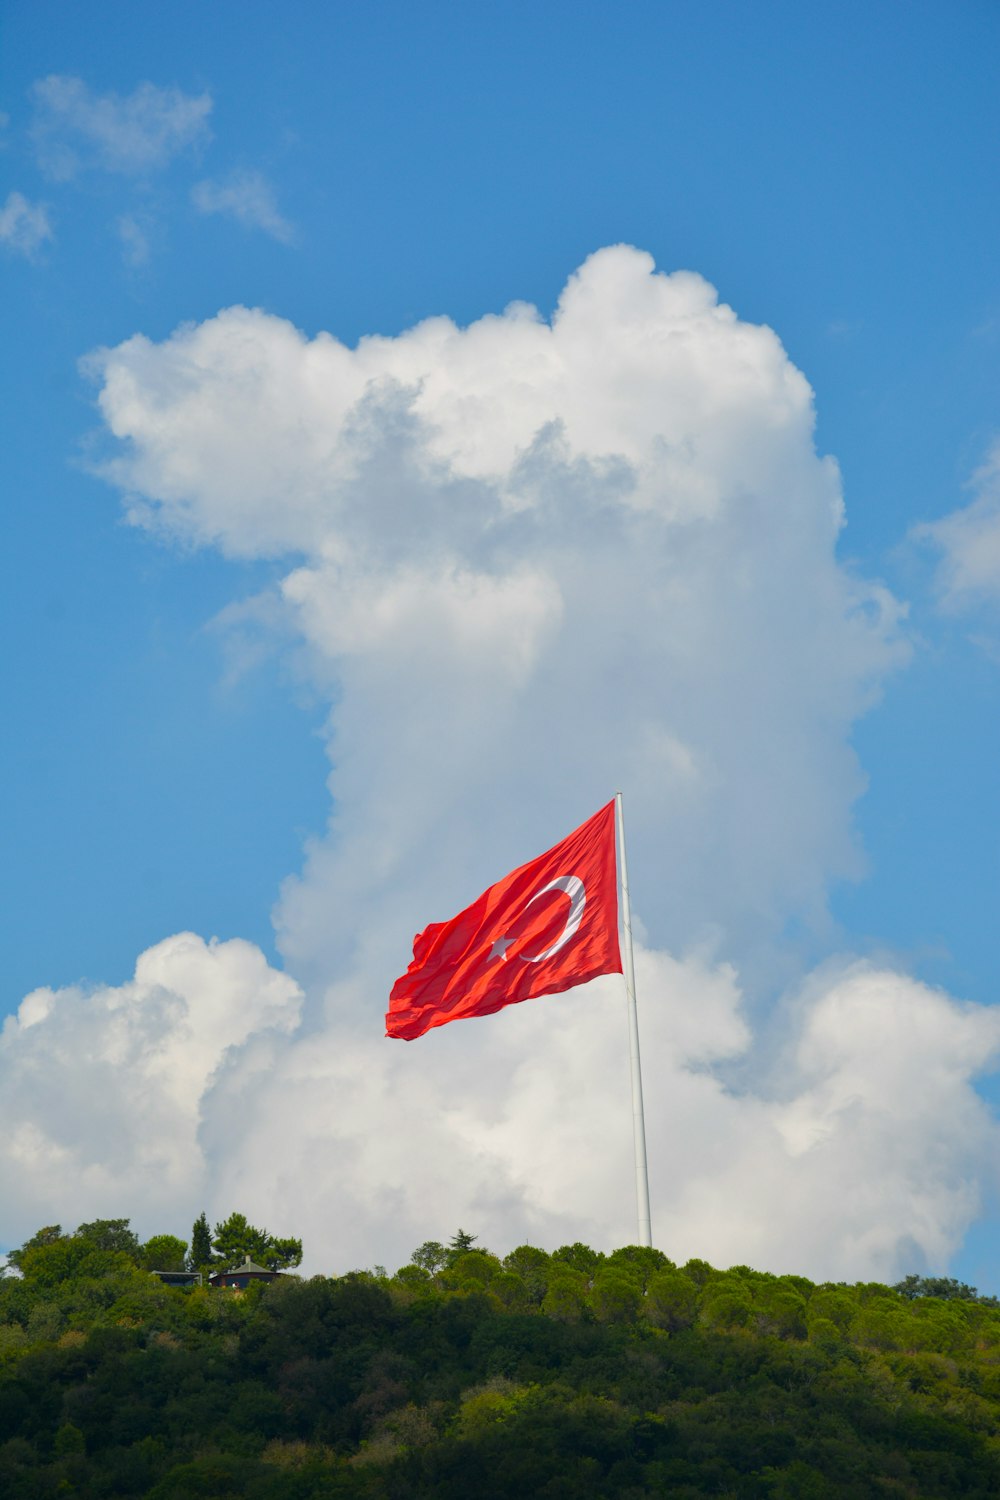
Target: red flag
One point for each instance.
(546, 927)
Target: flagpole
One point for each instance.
(638, 1118)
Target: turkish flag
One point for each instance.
(546, 927)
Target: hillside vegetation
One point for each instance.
(463, 1375)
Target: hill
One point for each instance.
(559, 1375)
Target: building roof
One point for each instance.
(248, 1268)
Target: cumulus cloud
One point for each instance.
(969, 542)
(865, 1154)
(24, 226)
(870, 1152)
(132, 134)
(191, 1085)
(529, 561)
(249, 198)
(103, 1088)
(533, 561)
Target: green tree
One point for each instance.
(489, 1405)
(458, 1245)
(511, 1292)
(726, 1303)
(779, 1309)
(45, 1322)
(430, 1256)
(164, 1252)
(201, 1255)
(699, 1271)
(472, 1271)
(105, 1247)
(616, 1294)
(566, 1296)
(642, 1259)
(48, 1259)
(881, 1323)
(944, 1287)
(671, 1300)
(68, 1439)
(111, 1234)
(939, 1325)
(825, 1334)
(831, 1304)
(42, 1237)
(235, 1239)
(412, 1276)
(532, 1267)
(579, 1257)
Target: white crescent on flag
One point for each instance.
(575, 890)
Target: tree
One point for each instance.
(699, 1271)
(42, 1237)
(510, 1291)
(615, 1295)
(641, 1258)
(102, 1248)
(68, 1439)
(671, 1300)
(780, 1310)
(532, 1266)
(164, 1252)
(832, 1304)
(566, 1295)
(412, 1276)
(726, 1303)
(430, 1256)
(111, 1234)
(880, 1323)
(580, 1257)
(944, 1287)
(201, 1254)
(235, 1239)
(472, 1270)
(459, 1244)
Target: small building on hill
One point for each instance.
(178, 1278)
(241, 1276)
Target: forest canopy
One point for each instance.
(559, 1374)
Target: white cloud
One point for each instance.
(102, 1089)
(870, 1153)
(249, 198)
(839, 1164)
(641, 473)
(529, 561)
(864, 1155)
(133, 134)
(24, 226)
(969, 542)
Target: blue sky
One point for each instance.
(360, 169)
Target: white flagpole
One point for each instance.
(638, 1119)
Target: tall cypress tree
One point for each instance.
(201, 1254)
